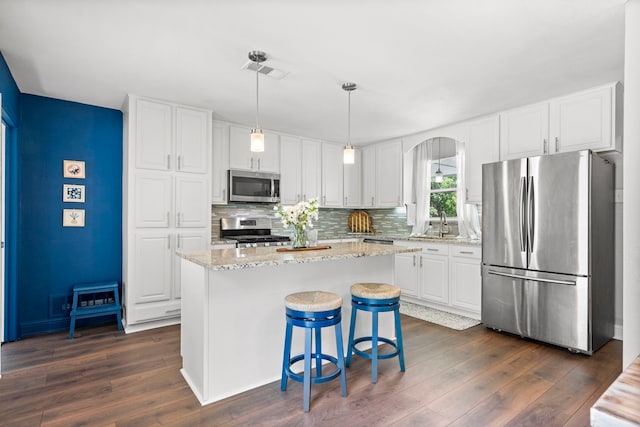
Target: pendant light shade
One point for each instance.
(349, 154)
(439, 174)
(257, 136)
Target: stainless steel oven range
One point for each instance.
(250, 232)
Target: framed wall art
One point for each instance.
(74, 169)
(73, 217)
(73, 193)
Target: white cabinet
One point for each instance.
(524, 131)
(465, 277)
(483, 146)
(406, 273)
(586, 120)
(219, 162)
(389, 174)
(591, 119)
(241, 157)
(166, 203)
(186, 241)
(191, 202)
(369, 174)
(156, 148)
(153, 201)
(332, 179)
(300, 172)
(382, 175)
(434, 273)
(353, 182)
(443, 276)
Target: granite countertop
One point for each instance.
(235, 259)
(391, 237)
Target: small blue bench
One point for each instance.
(79, 311)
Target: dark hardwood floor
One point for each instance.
(475, 377)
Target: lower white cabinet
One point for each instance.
(442, 276)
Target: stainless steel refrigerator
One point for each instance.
(548, 249)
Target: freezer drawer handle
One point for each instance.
(516, 276)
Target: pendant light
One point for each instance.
(257, 136)
(349, 154)
(439, 172)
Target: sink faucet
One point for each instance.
(443, 224)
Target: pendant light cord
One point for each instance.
(349, 121)
(257, 92)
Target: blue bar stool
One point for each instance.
(313, 311)
(375, 298)
(108, 305)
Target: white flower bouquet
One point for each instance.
(301, 217)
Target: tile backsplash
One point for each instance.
(332, 223)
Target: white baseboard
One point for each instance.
(138, 327)
(617, 332)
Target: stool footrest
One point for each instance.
(314, 380)
(380, 356)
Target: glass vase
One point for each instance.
(299, 237)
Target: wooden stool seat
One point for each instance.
(313, 301)
(80, 311)
(313, 311)
(375, 290)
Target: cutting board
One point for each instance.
(360, 222)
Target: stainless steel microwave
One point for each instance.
(248, 186)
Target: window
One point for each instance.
(444, 194)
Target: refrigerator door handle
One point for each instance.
(534, 279)
(521, 215)
(531, 219)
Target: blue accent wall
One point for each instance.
(52, 258)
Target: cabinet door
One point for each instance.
(389, 174)
(153, 263)
(332, 175)
(153, 144)
(153, 200)
(524, 132)
(187, 242)
(291, 174)
(369, 176)
(582, 121)
(192, 202)
(192, 140)
(434, 275)
(465, 283)
(219, 163)
(483, 147)
(353, 181)
(240, 155)
(311, 169)
(406, 274)
(269, 159)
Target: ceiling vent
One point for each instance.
(265, 69)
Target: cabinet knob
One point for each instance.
(258, 163)
(414, 260)
(557, 145)
(544, 146)
(345, 200)
(168, 161)
(420, 262)
(252, 163)
(372, 200)
(179, 163)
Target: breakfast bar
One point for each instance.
(233, 323)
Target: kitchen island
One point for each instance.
(233, 315)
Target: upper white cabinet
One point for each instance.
(353, 182)
(156, 148)
(586, 120)
(389, 174)
(300, 176)
(591, 119)
(332, 176)
(241, 157)
(483, 146)
(219, 163)
(524, 131)
(382, 175)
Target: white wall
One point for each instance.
(631, 178)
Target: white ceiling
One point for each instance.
(419, 64)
